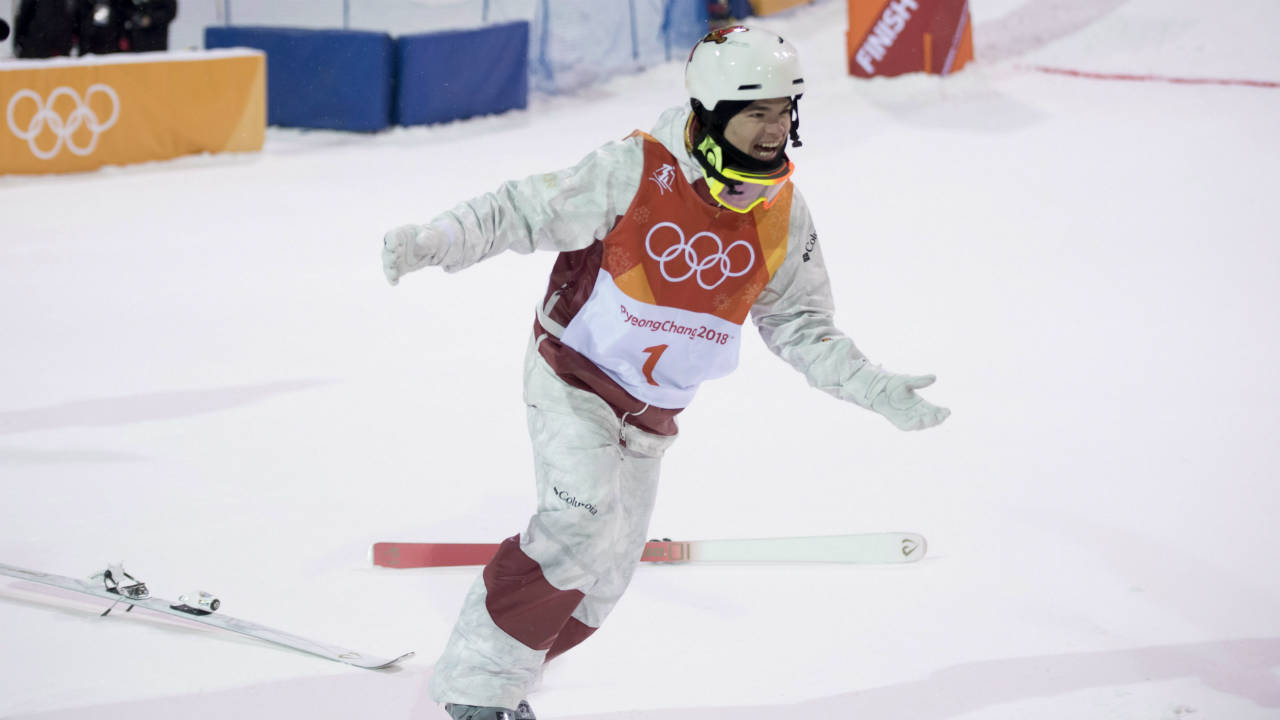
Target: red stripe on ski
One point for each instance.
(410, 555)
(414, 555)
(1129, 77)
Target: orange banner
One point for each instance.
(69, 115)
(892, 37)
(769, 7)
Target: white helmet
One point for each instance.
(741, 63)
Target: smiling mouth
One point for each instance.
(766, 151)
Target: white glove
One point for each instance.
(408, 248)
(894, 396)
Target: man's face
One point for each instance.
(760, 130)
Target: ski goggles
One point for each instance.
(737, 189)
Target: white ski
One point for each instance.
(883, 547)
(196, 607)
(866, 548)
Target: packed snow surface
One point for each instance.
(205, 375)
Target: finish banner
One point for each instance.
(76, 114)
(892, 37)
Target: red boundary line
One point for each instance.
(1155, 78)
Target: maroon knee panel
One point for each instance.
(524, 604)
(573, 632)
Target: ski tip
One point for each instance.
(393, 663)
(384, 554)
(914, 547)
(370, 662)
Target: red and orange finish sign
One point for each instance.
(893, 37)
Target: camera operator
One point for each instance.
(99, 26)
(43, 28)
(146, 23)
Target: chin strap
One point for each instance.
(795, 122)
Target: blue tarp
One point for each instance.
(336, 79)
(449, 75)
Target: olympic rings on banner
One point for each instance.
(64, 129)
(698, 265)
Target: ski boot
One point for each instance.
(471, 712)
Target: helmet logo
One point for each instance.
(721, 35)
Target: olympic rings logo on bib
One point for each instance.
(710, 258)
(64, 129)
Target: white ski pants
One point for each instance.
(554, 585)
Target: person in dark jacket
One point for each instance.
(43, 28)
(99, 26)
(146, 23)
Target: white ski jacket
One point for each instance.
(569, 210)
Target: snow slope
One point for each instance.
(206, 376)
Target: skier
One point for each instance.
(667, 242)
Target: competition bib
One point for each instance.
(676, 281)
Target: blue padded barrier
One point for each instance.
(740, 8)
(683, 25)
(334, 79)
(451, 75)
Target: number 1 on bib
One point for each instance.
(655, 353)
